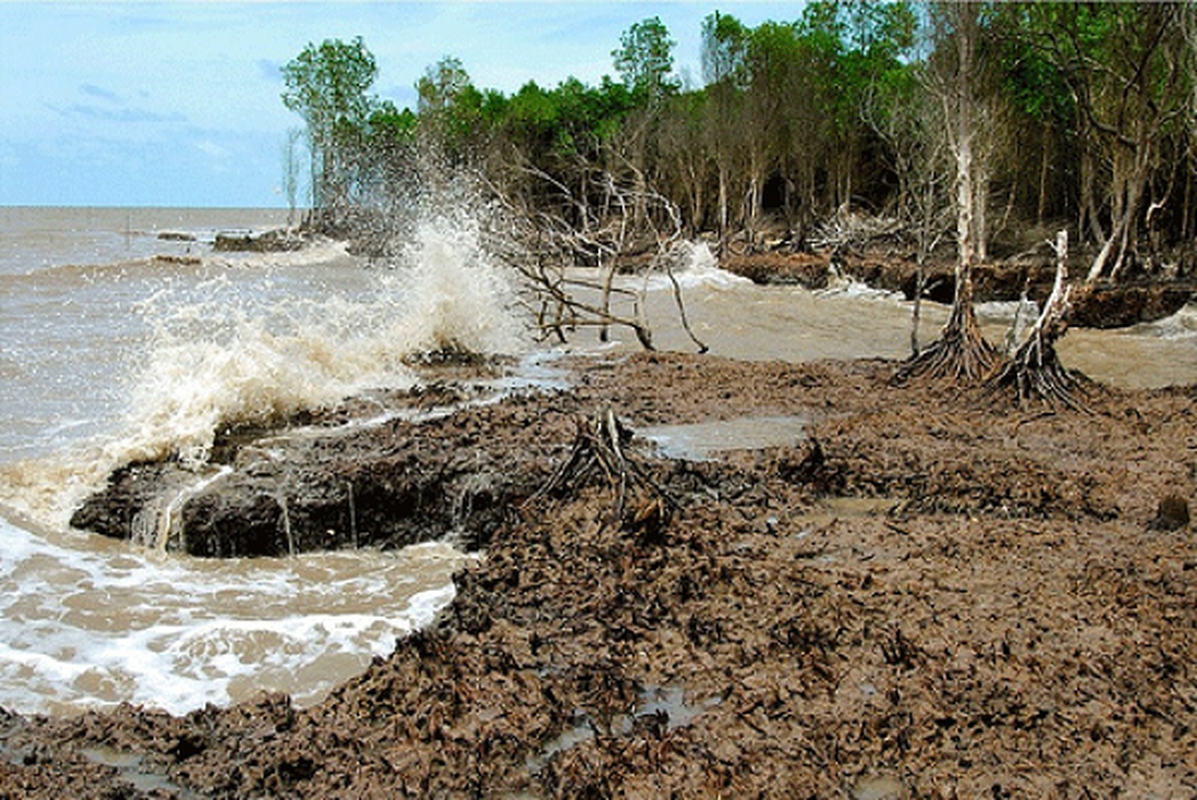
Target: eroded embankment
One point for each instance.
(1014, 626)
(1100, 304)
(388, 471)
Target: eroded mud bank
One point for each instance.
(929, 593)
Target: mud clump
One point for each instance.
(346, 477)
(1173, 514)
(933, 594)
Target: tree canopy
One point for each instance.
(327, 86)
(1083, 115)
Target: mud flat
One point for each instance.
(901, 592)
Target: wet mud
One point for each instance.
(925, 592)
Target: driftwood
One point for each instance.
(559, 308)
(1034, 370)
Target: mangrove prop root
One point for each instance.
(600, 450)
(960, 354)
(1034, 370)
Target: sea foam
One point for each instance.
(245, 347)
(89, 622)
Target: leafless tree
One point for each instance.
(1034, 370)
(961, 352)
(632, 218)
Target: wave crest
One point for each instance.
(262, 345)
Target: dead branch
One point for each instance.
(849, 230)
(629, 214)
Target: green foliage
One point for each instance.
(836, 105)
(644, 59)
(724, 42)
(389, 126)
(327, 85)
(442, 85)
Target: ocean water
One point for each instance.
(124, 335)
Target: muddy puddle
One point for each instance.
(701, 441)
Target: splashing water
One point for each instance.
(225, 352)
(694, 265)
(156, 357)
(459, 298)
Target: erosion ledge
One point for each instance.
(933, 593)
(1100, 304)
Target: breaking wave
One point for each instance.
(694, 265)
(88, 622)
(1180, 326)
(253, 345)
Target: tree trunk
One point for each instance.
(1042, 206)
(723, 211)
(1034, 370)
(1130, 183)
(980, 211)
(1187, 209)
(961, 352)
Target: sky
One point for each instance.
(178, 104)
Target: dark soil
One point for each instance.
(1101, 305)
(933, 594)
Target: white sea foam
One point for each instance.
(694, 265)
(999, 311)
(458, 296)
(848, 287)
(1180, 326)
(247, 348)
(86, 622)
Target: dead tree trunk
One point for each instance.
(1034, 370)
(961, 353)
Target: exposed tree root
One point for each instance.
(961, 354)
(599, 448)
(1034, 370)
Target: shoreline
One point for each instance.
(930, 592)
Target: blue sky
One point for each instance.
(143, 103)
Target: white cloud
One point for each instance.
(212, 149)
